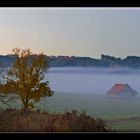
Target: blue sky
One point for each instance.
(71, 31)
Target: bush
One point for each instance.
(72, 121)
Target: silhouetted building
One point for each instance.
(121, 91)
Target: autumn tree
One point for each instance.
(26, 78)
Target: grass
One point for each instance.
(125, 124)
(97, 106)
(123, 114)
(127, 111)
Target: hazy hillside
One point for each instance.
(62, 61)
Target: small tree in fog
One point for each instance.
(25, 78)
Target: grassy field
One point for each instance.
(125, 125)
(120, 114)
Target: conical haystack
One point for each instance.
(121, 90)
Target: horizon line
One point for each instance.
(78, 55)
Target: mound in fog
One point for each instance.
(121, 90)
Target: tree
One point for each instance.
(26, 78)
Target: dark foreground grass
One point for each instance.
(12, 120)
(126, 124)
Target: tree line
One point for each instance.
(61, 61)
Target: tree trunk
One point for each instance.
(25, 106)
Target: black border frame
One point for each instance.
(69, 3)
(66, 3)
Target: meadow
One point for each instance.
(84, 89)
(119, 114)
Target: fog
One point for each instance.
(91, 80)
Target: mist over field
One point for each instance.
(91, 80)
(85, 88)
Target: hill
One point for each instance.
(64, 61)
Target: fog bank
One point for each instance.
(91, 80)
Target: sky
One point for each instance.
(71, 31)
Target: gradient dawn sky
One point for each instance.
(71, 31)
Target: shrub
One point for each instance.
(72, 121)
